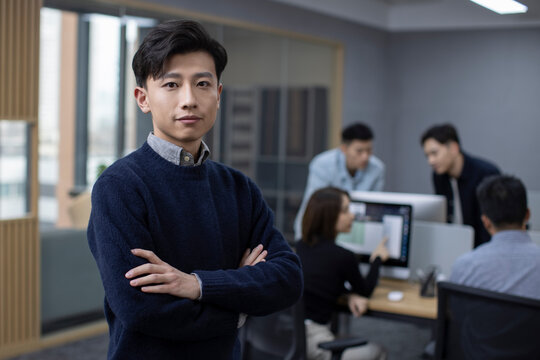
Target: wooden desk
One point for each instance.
(412, 307)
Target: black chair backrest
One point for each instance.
(281, 334)
(474, 323)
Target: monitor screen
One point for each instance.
(426, 207)
(374, 221)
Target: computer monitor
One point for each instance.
(372, 222)
(426, 207)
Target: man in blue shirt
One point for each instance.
(510, 261)
(350, 167)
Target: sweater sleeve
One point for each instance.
(360, 285)
(266, 287)
(118, 223)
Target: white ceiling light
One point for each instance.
(502, 7)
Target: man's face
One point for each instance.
(357, 154)
(441, 157)
(184, 100)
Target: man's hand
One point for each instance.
(253, 257)
(357, 304)
(381, 251)
(157, 276)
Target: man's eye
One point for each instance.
(204, 83)
(171, 85)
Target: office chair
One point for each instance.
(474, 323)
(282, 336)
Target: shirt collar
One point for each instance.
(511, 236)
(176, 154)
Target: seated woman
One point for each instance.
(327, 267)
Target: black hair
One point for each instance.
(443, 134)
(357, 131)
(503, 199)
(171, 38)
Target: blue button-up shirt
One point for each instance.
(329, 169)
(508, 263)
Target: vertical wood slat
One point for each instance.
(19, 281)
(19, 59)
(3, 49)
(19, 241)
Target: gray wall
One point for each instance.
(485, 82)
(365, 69)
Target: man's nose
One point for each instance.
(188, 99)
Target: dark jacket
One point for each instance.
(474, 171)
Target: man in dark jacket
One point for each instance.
(456, 172)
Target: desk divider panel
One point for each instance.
(438, 244)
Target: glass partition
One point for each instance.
(14, 169)
(103, 92)
(274, 114)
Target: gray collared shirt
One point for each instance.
(508, 263)
(176, 154)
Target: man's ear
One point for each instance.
(488, 224)
(219, 90)
(454, 146)
(343, 148)
(142, 99)
(527, 217)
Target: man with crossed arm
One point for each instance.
(184, 245)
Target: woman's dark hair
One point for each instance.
(320, 217)
(171, 38)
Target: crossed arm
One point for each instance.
(148, 295)
(158, 277)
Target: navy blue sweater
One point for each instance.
(199, 220)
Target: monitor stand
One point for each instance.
(392, 272)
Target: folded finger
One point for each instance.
(148, 280)
(146, 254)
(254, 254)
(261, 257)
(244, 257)
(156, 289)
(144, 269)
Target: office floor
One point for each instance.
(403, 341)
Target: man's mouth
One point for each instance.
(189, 119)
